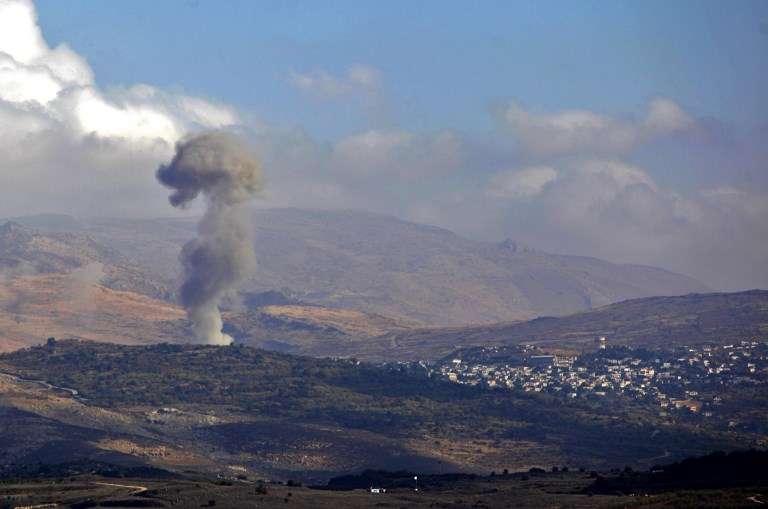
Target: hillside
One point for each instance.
(35, 307)
(242, 410)
(308, 329)
(69, 285)
(32, 308)
(651, 322)
(75, 284)
(26, 251)
(385, 266)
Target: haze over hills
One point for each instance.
(26, 251)
(385, 266)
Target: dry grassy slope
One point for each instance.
(309, 330)
(651, 322)
(39, 423)
(27, 251)
(349, 321)
(33, 308)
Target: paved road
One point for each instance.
(135, 489)
(73, 392)
(666, 454)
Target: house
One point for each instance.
(378, 490)
(541, 360)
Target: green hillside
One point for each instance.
(289, 416)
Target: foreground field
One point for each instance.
(520, 491)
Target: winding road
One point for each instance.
(135, 489)
(16, 378)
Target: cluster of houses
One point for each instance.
(685, 378)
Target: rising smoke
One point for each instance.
(81, 292)
(219, 166)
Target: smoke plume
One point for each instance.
(81, 292)
(219, 166)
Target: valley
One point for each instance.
(336, 363)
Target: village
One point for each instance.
(684, 379)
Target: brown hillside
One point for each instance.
(33, 308)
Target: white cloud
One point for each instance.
(665, 116)
(616, 211)
(57, 85)
(356, 79)
(359, 86)
(19, 33)
(582, 132)
(399, 153)
(65, 141)
(525, 183)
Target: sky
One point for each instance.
(631, 131)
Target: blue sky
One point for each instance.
(443, 63)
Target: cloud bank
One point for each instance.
(579, 132)
(70, 144)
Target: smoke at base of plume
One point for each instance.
(219, 166)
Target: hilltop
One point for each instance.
(717, 318)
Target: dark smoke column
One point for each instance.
(219, 166)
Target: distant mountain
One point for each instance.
(718, 318)
(27, 251)
(382, 265)
(48, 222)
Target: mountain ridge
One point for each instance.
(387, 266)
(718, 318)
